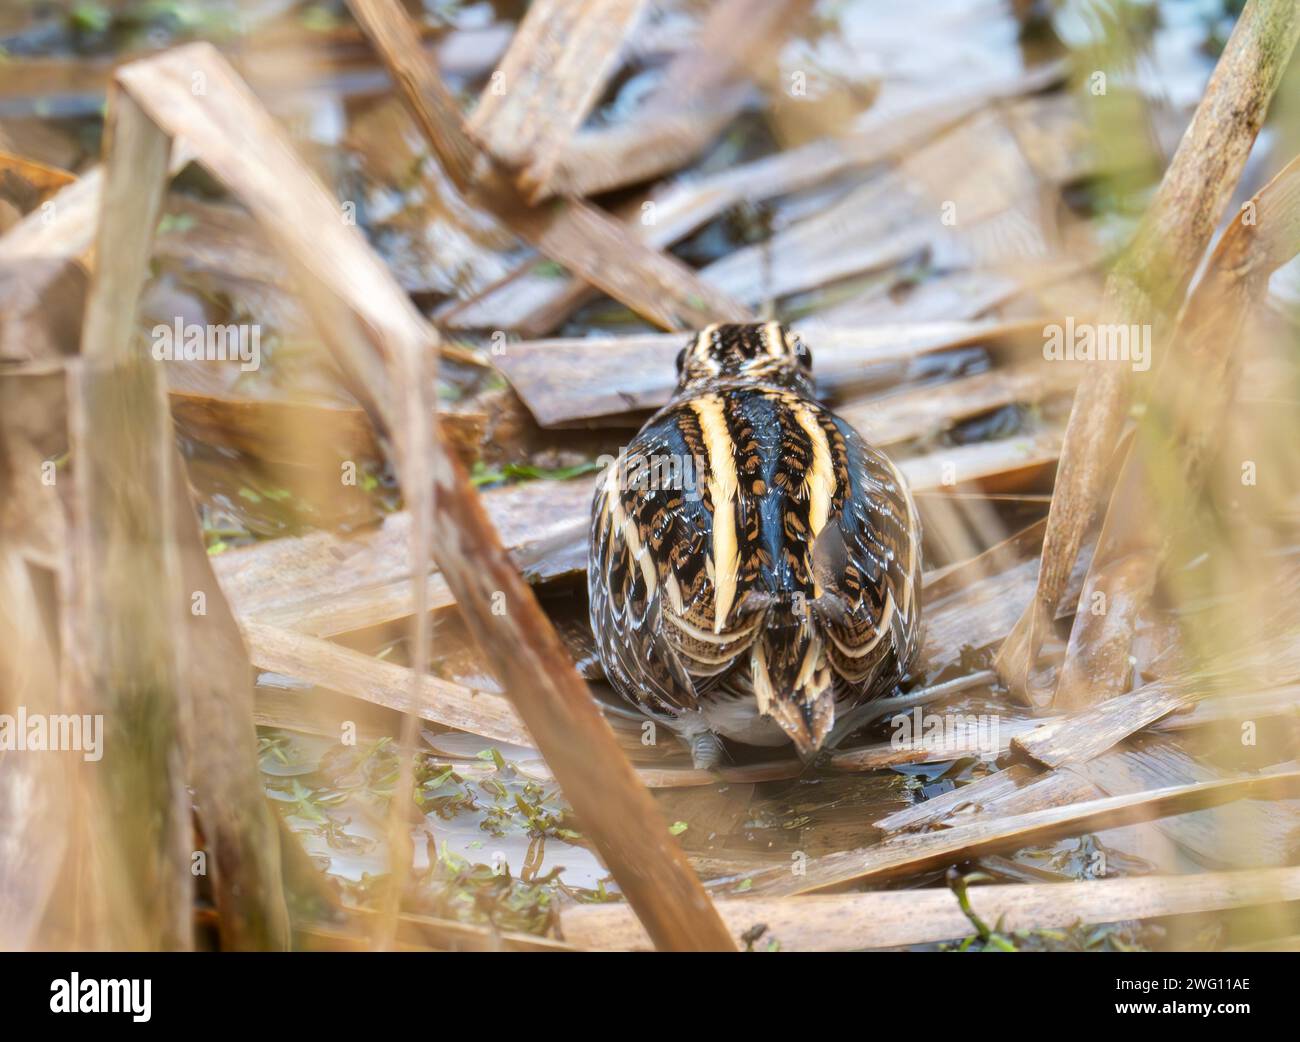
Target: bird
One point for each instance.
(754, 565)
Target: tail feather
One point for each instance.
(793, 682)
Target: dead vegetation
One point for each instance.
(328, 607)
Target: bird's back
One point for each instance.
(755, 566)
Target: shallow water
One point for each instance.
(491, 841)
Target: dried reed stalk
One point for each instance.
(845, 922)
(576, 380)
(904, 854)
(1146, 287)
(35, 791)
(896, 123)
(703, 90)
(123, 584)
(585, 240)
(1185, 415)
(385, 350)
(382, 683)
(214, 715)
(559, 61)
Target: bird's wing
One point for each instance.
(868, 567)
(625, 584)
(673, 557)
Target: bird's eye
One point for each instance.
(681, 360)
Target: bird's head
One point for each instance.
(763, 352)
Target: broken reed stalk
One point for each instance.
(1185, 413)
(701, 91)
(571, 381)
(535, 305)
(325, 584)
(1146, 287)
(929, 410)
(903, 854)
(40, 808)
(35, 791)
(888, 919)
(123, 582)
(377, 338)
(558, 62)
(414, 442)
(40, 179)
(240, 828)
(428, 933)
(1082, 736)
(350, 672)
(587, 241)
(212, 718)
(1088, 773)
(55, 241)
(43, 260)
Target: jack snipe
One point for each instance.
(755, 566)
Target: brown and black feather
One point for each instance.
(755, 566)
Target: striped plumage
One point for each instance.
(755, 566)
